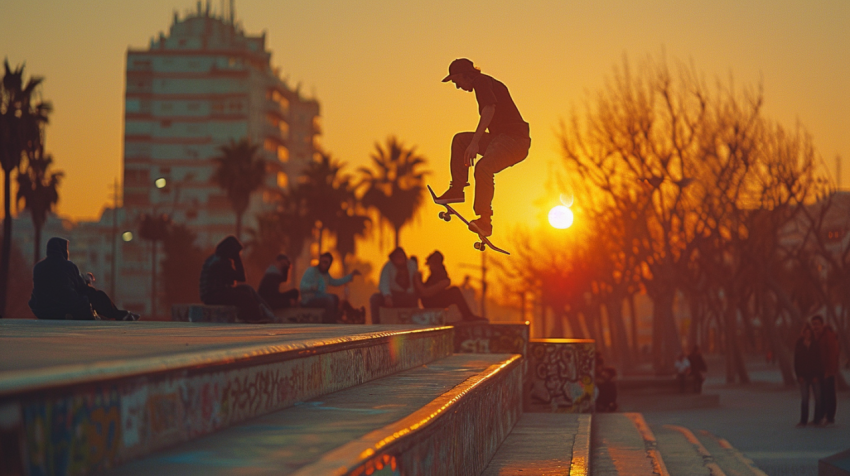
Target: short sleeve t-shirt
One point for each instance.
(506, 119)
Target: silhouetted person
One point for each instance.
(683, 369)
(828, 342)
(502, 138)
(698, 368)
(223, 283)
(437, 290)
(809, 370)
(269, 290)
(60, 291)
(604, 378)
(396, 286)
(314, 285)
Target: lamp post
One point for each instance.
(154, 228)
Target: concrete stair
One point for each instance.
(623, 444)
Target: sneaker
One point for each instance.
(483, 226)
(129, 316)
(452, 195)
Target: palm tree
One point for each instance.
(38, 188)
(21, 123)
(240, 173)
(327, 193)
(396, 188)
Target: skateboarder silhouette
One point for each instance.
(502, 139)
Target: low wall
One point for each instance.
(412, 315)
(560, 377)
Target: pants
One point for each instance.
(498, 153)
(103, 305)
(280, 300)
(329, 302)
(682, 380)
(815, 387)
(828, 398)
(250, 306)
(699, 378)
(376, 302)
(446, 298)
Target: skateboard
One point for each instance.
(447, 216)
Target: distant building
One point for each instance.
(192, 91)
(188, 93)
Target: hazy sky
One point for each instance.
(375, 67)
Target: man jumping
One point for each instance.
(501, 137)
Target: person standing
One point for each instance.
(501, 137)
(827, 340)
(809, 370)
(314, 288)
(269, 290)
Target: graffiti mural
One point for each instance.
(412, 315)
(93, 427)
(560, 376)
(492, 338)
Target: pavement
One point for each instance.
(760, 421)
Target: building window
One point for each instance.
(165, 123)
(282, 180)
(270, 145)
(284, 129)
(166, 107)
(193, 106)
(282, 153)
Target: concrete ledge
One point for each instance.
(487, 338)
(299, 315)
(412, 315)
(94, 416)
(456, 433)
(203, 313)
(667, 402)
(560, 376)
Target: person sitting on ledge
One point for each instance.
(269, 290)
(223, 283)
(396, 287)
(437, 291)
(314, 285)
(60, 292)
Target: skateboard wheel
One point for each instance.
(443, 215)
(478, 246)
(447, 218)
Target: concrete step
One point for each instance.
(78, 397)
(543, 443)
(670, 402)
(732, 461)
(447, 417)
(683, 454)
(623, 444)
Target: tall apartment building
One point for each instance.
(189, 92)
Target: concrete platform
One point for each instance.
(361, 426)
(78, 397)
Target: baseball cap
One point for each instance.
(459, 66)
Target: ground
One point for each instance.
(759, 420)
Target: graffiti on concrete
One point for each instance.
(560, 376)
(491, 338)
(97, 427)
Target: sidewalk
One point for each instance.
(759, 420)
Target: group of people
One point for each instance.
(401, 285)
(691, 367)
(816, 356)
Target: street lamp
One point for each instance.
(160, 183)
(127, 236)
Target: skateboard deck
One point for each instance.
(447, 216)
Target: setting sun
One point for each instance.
(560, 217)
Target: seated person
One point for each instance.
(60, 292)
(314, 285)
(438, 292)
(396, 287)
(269, 290)
(223, 283)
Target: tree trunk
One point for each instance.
(7, 240)
(239, 226)
(37, 244)
(780, 350)
(397, 230)
(634, 325)
(618, 328)
(667, 345)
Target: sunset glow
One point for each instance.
(560, 217)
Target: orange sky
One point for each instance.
(375, 67)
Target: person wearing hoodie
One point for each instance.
(437, 291)
(223, 283)
(60, 292)
(269, 290)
